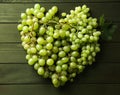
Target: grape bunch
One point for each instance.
(59, 47)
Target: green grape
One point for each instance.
(36, 66)
(54, 56)
(63, 14)
(35, 19)
(41, 62)
(64, 67)
(41, 41)
(61, 54)
(58, 68)
(26, 46)
(65, 26)
(49, 46)
(66, 49)
(40, 15)
(42, 30)
(65, 59)
(73, 65)
(75, 54)
(41, 71)
(39, 47)
(55, 82)
(25, 29)
(56, 35)
(29, 22)
(62, 33)
(31, 61)
(28, 11)
(49, 52)
(42, 9)
(44, 20)
(19, 27)
(59, 62)
(35, 26)
(50, 62)
(33, 50)
(48, 15)
(54, 76)
(73, 59)
(26, 39)
(37, 6)
(23, 16)
(63, 78)
(35, 58)
(49, 39)
(57, 43)
(55, 9)
(43, 52)
(80, 68)
(28, 56)
(74, 47)
(55, 49)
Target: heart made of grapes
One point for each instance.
(59, 47)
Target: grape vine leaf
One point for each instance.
(107, 28)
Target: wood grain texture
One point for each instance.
(95, 74)
(71, 89)
(58, 1)
(18, 78)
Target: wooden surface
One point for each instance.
(17, 78)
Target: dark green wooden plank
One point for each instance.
(12, 56)
(82, 89)
(110, 52)
(11, 12)
(23, 73)
(31, 1)
(18, 73)
(10, 46)
(9, 33)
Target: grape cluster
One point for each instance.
(59, 48)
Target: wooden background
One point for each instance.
(17, 78)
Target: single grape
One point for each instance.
(23, 16)
(73, 65)
(61, 54)
(50, 62)
(37, 6)
(41, 62)
(43, 52)
(49, 39)
(63, 78)
(49, 46)
(35, 58)
(25, 29)
(36, 66)
(41, 71)
(64, 67)
(41, 41)
(31, 61)
(33, 50)
(19, 27)
(40, 15)
(58, 69)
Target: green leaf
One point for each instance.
(101, 20)
(107, 28)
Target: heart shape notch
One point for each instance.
(59, 48)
